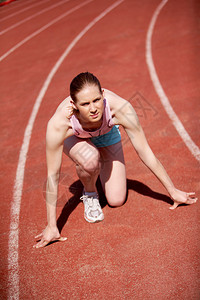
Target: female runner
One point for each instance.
(85, 128)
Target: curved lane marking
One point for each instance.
(22, 10)
(13, 270)
(194, 149)
(29, 37)
(32, 16)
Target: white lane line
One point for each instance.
(29, 37)
(194, 149)
(31, 17)
(13, 244)
(22, 10)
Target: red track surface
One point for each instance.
(141, 250)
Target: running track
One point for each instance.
(141, 250)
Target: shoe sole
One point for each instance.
(93, 221)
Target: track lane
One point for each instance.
(30, 17)
(177, 60)
(14, 39)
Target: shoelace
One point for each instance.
(91, 201)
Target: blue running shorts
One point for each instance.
(110, 138)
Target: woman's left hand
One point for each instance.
(180, 197)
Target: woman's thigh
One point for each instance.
(81, 151)
(113, 174)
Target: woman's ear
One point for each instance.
(73, 105)
(103, 93)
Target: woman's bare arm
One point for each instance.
(55, 137)
(126, 116)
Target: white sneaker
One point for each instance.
(92, 209)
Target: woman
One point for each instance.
(85, 127)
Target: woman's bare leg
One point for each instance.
(113, 174)
(87, 160)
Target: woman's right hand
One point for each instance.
(48, 235)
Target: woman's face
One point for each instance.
(89, 103)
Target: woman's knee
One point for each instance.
(116, 198)
(85, 155)
(90, 161)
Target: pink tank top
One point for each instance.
(106, 126)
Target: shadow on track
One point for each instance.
(76, 189)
